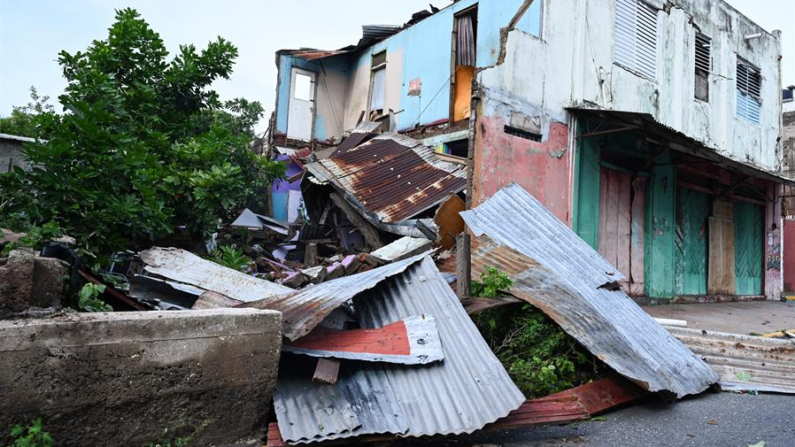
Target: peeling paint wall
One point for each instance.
(422, 51)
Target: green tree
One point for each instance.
(23, 119)
(144, 144)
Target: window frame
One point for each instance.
(703, 41)
(745, 92)
(374, 68)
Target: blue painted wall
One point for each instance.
(426, 50)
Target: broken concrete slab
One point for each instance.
(126, 378)
(28, 280)
(316, 275)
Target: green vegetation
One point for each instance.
(22, 121)
(34, 237)
(144, 145)
(31, 436)
(88, 299)
(539, 356)
(231, 256)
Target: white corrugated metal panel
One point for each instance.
(636, 37)
(556, 271)
(185, 267)
(461, 394)
(306, 308)
(744, 362)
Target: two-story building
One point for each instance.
(650, 127)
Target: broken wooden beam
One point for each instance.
(368, 230)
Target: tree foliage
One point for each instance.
(22, 121)
(144, 144)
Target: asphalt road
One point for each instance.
(712, 419)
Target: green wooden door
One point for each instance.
(748, 247)
(690, 269)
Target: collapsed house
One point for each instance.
(651, 130)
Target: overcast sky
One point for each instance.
(32, 32)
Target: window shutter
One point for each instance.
(703, 53)
(749, 89)
(636, 37)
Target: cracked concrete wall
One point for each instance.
(573, 64)
(132, 378)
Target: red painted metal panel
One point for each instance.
(604, 394)
(391, 339)
(789, 255)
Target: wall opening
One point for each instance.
(703, 65)
(377, 85)
(516, 132)
(464, 57)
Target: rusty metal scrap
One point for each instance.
(305, 309)
(391, 177)
(461, 394)
(557, 272)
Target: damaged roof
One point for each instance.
(461, 394)
(391, 177)
(304, 309)
(557, 272)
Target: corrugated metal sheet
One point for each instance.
(185, 267)
(359, 135)
(466, 391)
(410, 341)
(392, 177)
(559, 273)
(744, 362)
(305, 309)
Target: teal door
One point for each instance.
(690, 269)
(748, 247)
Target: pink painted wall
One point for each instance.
(773, 224)
(789, 255)
(542, 168)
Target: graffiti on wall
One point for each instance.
(773, 254)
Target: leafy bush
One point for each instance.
(144, 145)
(539, 356)
(35, 237)
(492, 283)
(31, 436)
(88, 299)
(231, 257)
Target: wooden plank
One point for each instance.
(368, 230)
(586, 215)
(604, 207)
(721, 278)
(691, 242)
(637, 238)
(661, 225)
(327, 371)
(463, 266)
(624, 223)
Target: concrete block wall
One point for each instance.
(131, 378)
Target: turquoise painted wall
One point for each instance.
(585, 216)
(660, 229)
(286, 64)
(748, 247)
(692, 214)
(426, 48)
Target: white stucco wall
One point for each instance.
(573, 63)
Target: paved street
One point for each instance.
(719, 420)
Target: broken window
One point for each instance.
(749, 87)
(703, 66)
(465, 45)
(378, 83)
(636, 37)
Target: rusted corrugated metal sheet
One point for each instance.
(409, 341)
(744, 362)
(392, 177)
(363, 132)
(305, 309)
(185, 267)
(557, 272)
(461, 394)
